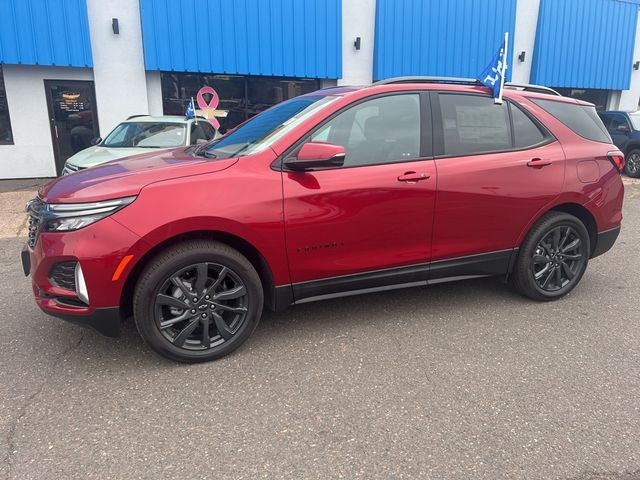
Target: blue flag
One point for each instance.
(493, 75)
(191, 110)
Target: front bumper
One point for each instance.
(98, 248)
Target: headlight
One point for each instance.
(64, 217)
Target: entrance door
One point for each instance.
(72, 117)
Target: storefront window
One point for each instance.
(241, 97)
(591, 95)
(6, 137)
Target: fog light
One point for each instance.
(81, 286)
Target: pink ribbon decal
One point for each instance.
(212, 105)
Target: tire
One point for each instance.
(221, 313)
(632, 163)
(544, 272)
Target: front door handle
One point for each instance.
(538, 163)
(412, 177)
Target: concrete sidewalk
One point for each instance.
(14, 194)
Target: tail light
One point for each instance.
(617, 158)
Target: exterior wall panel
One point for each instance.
(585, 43)
(455, 38)
(45, 32)
(292, 38)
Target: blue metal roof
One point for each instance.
(45, 32)
(292, 38)
(455, 38)
(585, 44)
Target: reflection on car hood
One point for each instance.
(126, 177)
(96, 155)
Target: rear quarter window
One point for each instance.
(582, 119)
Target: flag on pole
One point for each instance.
(191, 110)
(493, 76)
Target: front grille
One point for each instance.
(34, 210)
(63, 275)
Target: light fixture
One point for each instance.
(522, 56)
(115, 26)
(636, 66)
(357, 43)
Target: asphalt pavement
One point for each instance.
(457, 381)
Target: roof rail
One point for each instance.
(464, 81)
(527, 87)
(419, 79)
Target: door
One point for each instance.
(497, 168)
(72, 117)
(373, 213)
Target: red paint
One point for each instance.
(314, 225)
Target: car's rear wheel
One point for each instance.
(197, 301)
(552, 258)
(632, 163)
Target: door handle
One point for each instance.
(412, 177)
(538, 163)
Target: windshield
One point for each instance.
(635, 120)
(267, 127)
(146, 135)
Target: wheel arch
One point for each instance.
(577, 210)
(632, 145)
(246, 248)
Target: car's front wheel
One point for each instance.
(197, 301)
(552, 258)
(632, 163)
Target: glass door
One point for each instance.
(72, 117)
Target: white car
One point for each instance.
(142, 133)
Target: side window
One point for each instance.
(381, 130)
(617, 121)
(606, 119)
(474, 124)
(525, 132)
(209, 131)
(582, 119)
(197, 132)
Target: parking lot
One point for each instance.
(460, 380)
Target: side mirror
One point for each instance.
(623, 127)
(201, 141)
(317, 155)
(96, 141)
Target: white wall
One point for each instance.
(628, 99)
(524, 40)
(154, 93)
(358, 20)
(31, 155)
(118, 61)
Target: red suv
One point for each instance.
(346, 190)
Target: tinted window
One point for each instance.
(474, 124)
(582, 119)
(5, 122)
(606, 119)
(525, 132)
(209, 131)
(381, 130)
(198, 132)
(618, 121)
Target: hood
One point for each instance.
(96, 155)
(126, 177)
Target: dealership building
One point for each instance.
(71, 70)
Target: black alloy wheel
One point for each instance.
(197, 301)
(557, 259)
(632, 163)
(552, 258)
(201, 306)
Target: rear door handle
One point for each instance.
(412, 177)
(538, 163)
